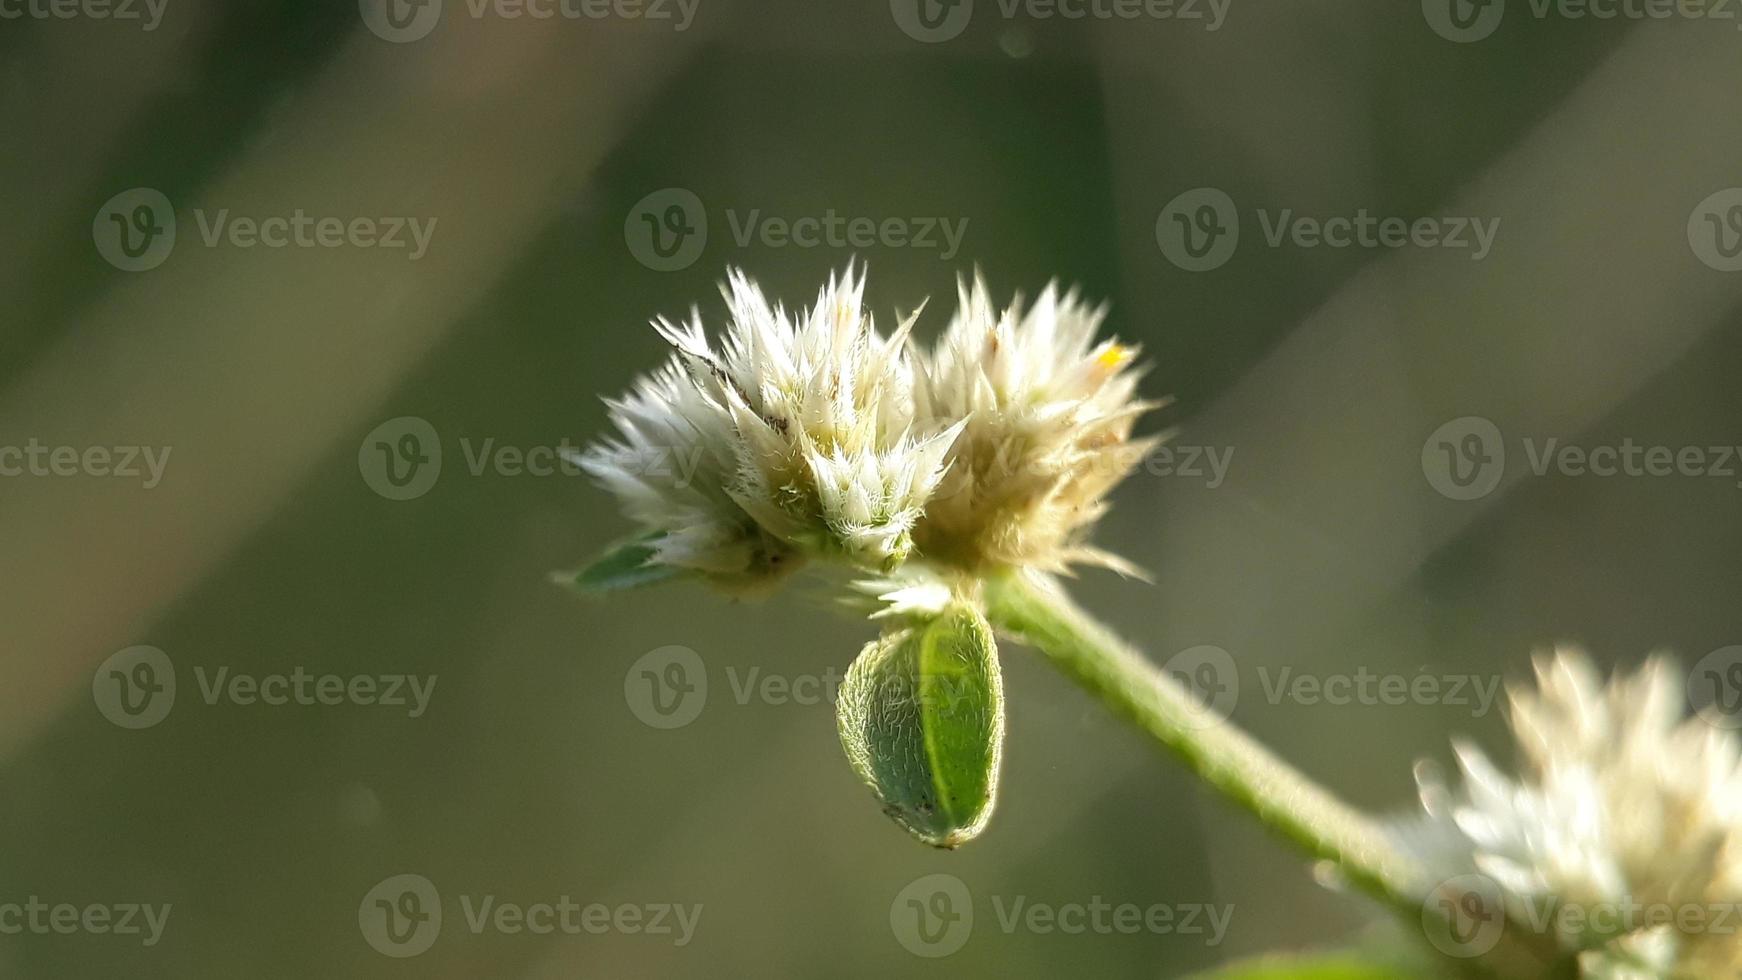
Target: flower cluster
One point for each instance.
(813, 435)
(1624, 811)
(1048, 413)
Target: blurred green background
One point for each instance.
(532, 144)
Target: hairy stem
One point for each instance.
(1035, 611)
(1040, 614)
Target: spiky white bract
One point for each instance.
(1049, 411)
(917, 590)
(794, 438)
(1624, 812)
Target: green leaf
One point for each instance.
(921, 715)
(628, 565)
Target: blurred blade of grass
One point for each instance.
(1330, 425)
(272, 356)
(105, 106)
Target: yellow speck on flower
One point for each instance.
(1048, 414)
(1115, 357)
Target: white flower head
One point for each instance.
(1049, 411)
(813, 435)
(1623, 809)
(795, 437)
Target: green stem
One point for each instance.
(1035, 611)
(1038, 613)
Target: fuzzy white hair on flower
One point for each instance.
(1049, 410)
(794, 437)
(917, 590)
(1621, 803)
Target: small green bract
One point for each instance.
(921, 716)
